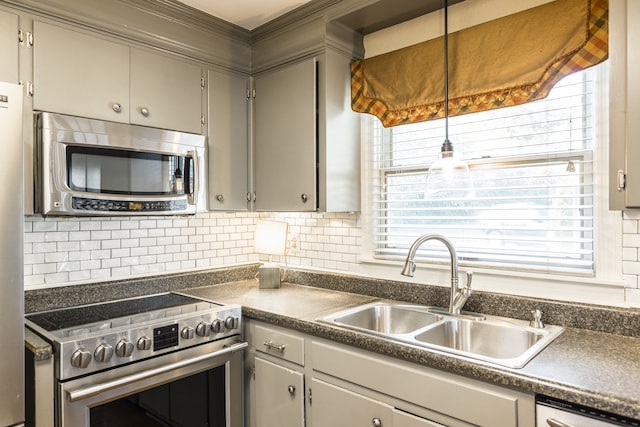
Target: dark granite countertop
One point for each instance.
(595, 369)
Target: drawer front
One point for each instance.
(280, 344)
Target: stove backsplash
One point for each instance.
(63, 251)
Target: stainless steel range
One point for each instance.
(144, 356)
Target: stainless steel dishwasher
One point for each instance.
(552, 412)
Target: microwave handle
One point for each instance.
(192, 197)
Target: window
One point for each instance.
(532, 166)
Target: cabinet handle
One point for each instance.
(220, 198)
(555, 423)
(117, 107)
(144, 111)
(271, 345)
(376, 422)
(304, 198)
(292, 389)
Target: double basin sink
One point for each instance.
(496, 340)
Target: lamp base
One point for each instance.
(269, 276)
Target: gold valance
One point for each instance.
(504, 62)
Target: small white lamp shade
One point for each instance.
(271, 237)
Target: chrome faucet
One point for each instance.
(458, 296)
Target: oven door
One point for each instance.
(198, 386)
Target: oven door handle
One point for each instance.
(93, 390)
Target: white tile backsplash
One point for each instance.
(61, 251)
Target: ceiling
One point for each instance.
(248, 14)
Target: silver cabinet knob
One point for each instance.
(304, 198)
(80, 358)
(144, 111)
(124, 348)
(376, 422)
(144, 343)
(103, 353)
(292, 389)
(203, 329)
(220, 198)
(117, 107)
(187, 332)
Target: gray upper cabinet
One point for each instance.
(165, 92)
(228, 141)
(285, 138)
(624, 126)
(9, 47)
(78, 74)
(85, 75)
(306, 137)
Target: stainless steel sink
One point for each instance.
(501, 341)
(382, 318)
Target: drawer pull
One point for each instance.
(292, 390)
(555, 423)
(272, 346)
(376, 422)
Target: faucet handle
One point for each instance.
(469, 278)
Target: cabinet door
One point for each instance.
(333, 406)
(78, 74)
(285, 139)
(633, 106)
(9, 47)
(228, 141)
(165, 92)
(279, 395)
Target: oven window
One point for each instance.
(194, 401)
(102, 170)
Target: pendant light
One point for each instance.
(448, 177)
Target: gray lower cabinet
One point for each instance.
(279, 395)
(275, 392)
(335, 406)
(344, 386)
(82, 74)
(228, 126)
(434, 398)
(9, 47)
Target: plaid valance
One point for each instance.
(504, 62)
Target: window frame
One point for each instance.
(575, 287)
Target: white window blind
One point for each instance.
(532, 167)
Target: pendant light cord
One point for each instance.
(446, 71)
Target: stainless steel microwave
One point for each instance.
(87, 167)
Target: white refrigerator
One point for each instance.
(11, 257)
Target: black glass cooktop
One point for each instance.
(83, 315)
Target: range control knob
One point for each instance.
(124, 348)
(80, 358)
(103, 353)
(231, 322)
(144, 343)
(203, 329)
(187, 332)
(216, 326)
